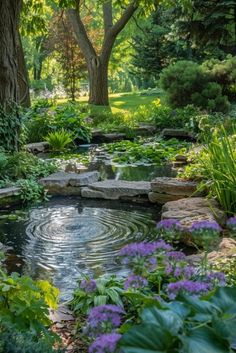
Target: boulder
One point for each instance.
(226, 250)
(158, 198)
(116, 189)
(73, 167)
(37, 147)
(10, 196)
(173, 186)
(190, 210)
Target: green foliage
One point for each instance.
(43, 119)
(25, 303)
(59, 140)
(165, 117)
(108, 291)
(220, 169)
(157, 152)
(189, 324)
(31, 190)
(10, 125)
(187, 82)
(13, 341)
(21, 165)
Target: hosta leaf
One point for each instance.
(148, 338)
(204, 340)
(165, 319)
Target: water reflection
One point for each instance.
(63, 241)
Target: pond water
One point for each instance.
(69, 237)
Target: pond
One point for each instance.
(70, 237)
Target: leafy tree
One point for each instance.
(98, 61)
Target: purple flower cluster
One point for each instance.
(89, 286)
(231, 223)
(135, 282)
(169, 224)
(103, 319)
(216, 278)
(205, 225)
(187, 286)
(105, 343)
(176, 255)
(144, 249)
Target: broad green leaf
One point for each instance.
(148, 338)
(165, 319)
(204, 340)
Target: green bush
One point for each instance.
(187, 82)
(21, 165)
(14, 341)
(59, 140)
(44, 118)
(25, 303)
(10, 126)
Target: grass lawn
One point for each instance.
(120, 102)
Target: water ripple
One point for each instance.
(64, 242)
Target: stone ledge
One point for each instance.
(116, 189)
(62, 183)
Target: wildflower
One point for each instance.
(205, 232)
(103, 319)
(88, 286)
(191, 287)
(134, 281)
(216, 278)
(205, 225)
(231, 224)
(170, 229)
(176, 255)
(105, 343)
(169, 224)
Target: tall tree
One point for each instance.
(9, 29)
(97, 62)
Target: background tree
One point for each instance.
(97, 62)
(69, 55)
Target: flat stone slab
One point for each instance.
(37, 147)
(7, 192)
(116, 189)
(160, 199)
(190, 210)
(173, 186)
(63, 183)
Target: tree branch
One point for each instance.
(107, 15)
(112, 33)
(81, 33)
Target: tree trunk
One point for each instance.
(23, 82)
(9, 24)
(98, 82)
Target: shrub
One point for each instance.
(187, 82)
(14, 341)
(10, 126)
(25, 303)
(59, 140)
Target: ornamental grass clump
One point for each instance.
(231, 225)
(170, 230)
